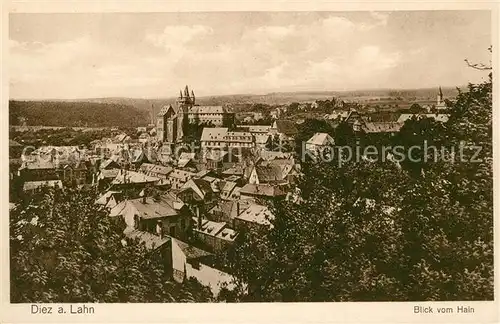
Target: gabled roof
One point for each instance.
(155, 168)
(165, 206)
(125, 177)
(151, 241)
(122, 137)
(215, 155)
(199, 186)
(185, 158)
(271, 155)
(321, 139)
(213, 133)
(230, 207)
(104, 198)
(382, 127)
(109, 163)
(108, 173)
(261, 138)
(190, 251)
(181, 174)
(256, 213)
(165, 109)
(268, 173)
(140, 157)
(238, 170)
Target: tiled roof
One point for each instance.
(185, 158)
(382, 127)
(106, 163)
(165, 109)
(215, 155)
(262, 190)
(190, 251)
(103, 199)
(112, 173)
(257, 214)
(151, 241)
(267, 173)
(271, 155)
(438, 117)
(148, 168)
(234, 171)
(181, 174)
(165, 206)
(259, 128)
(38, 164)
(124, 177)
(31, 185)
(207, 110)
(213, 133)
(230, 208)
(321, 139)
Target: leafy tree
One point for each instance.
(64, 248)
(415, 108)
(369, 231)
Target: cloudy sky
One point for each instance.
(150, 55)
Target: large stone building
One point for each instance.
(171, 119)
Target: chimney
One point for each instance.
(198, 214)
(159, 229)
(237, 208)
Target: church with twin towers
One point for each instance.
(172, 119)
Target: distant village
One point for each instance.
(190, 202)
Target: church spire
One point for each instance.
(440, 97)
(180, 94)
(186, 92)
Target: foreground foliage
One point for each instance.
(376, 231)
(64, 248)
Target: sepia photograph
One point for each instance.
(250, 157)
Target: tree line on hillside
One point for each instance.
(89, 114)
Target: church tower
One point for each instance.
(440, 104)
(439, 97)
(184, 104)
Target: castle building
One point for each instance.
(171, 119)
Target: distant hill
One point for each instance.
(284, 98)
(76, 113)
(132, 112)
